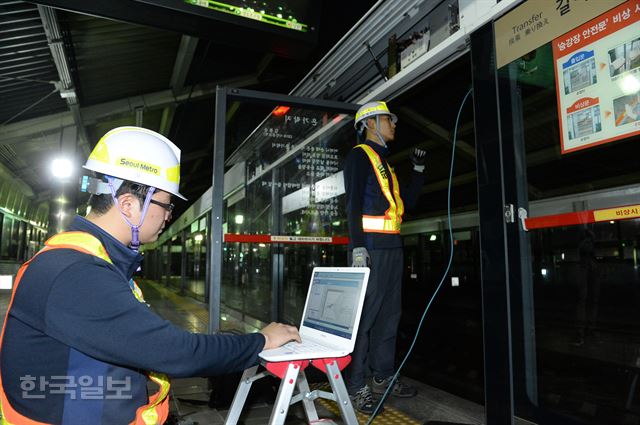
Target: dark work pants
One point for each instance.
(374, 353)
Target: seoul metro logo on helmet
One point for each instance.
(372, 109)
(138, 155)
(139, 165)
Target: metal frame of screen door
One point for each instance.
(225, 95)
(507, 296)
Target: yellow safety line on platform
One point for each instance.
(389, 416)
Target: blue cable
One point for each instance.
(444, 275)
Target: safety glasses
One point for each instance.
(168, 207)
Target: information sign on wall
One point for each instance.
(537, 22)
(597, 68)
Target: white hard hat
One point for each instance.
(371, 109)
(138, 155)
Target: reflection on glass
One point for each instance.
(281, 135)
(247, 276)
(299, 262)
(587, 321)
(584, 278)
(196, 263)
(293, 159)
(5, 248)
(174, 277)
(449, 352)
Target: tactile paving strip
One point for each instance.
(390, 416)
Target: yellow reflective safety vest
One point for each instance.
(157, 409)
(392, 218)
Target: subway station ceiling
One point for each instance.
(70, 70)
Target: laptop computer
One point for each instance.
(330, 317)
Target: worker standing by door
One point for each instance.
(79, 343)
(375, 205)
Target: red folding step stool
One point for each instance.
(292, 375)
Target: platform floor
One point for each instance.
(191, 396)
(430, 405)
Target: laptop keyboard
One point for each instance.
(304, 347)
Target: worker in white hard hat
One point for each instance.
(79, 344)
(375, 206)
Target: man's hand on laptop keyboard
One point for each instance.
(276, 334)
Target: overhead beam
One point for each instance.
(184, 57)
(264, 63)
(606, 182)
(168, 113)
(541, 156)
(35, 126)
(262, 66)
(7, 175)
(18, 131)
(199, 154)
(181, 66)
(439, 133)
(67, 91)
(444, 183)
(83, 136)
(404, 153)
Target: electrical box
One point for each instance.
(436, 26)
(416, 49)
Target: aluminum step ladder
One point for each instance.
(292, 376)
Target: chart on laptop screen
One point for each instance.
(333, 302)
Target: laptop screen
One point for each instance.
(333, 302)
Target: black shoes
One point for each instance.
(363, 401)
(400, 389)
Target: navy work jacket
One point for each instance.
(364, 196)
(77, 342)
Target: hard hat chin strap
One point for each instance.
(135, 240)
(376, 131)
